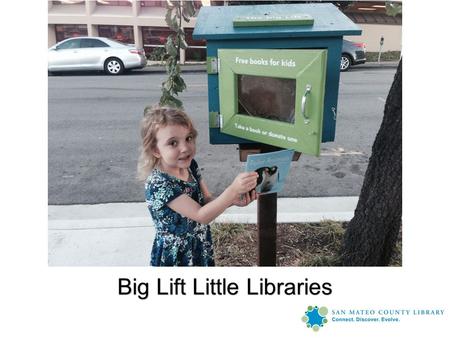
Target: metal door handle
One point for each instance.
(307, 91)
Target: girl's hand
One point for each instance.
(245, 199)
(244, 182)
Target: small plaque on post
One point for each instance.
(273, 20)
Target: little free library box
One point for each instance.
(273, 73)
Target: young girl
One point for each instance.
(177, 196)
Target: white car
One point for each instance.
(94, 53)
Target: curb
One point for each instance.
(121, 234)
(123, 215)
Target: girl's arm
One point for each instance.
(189, 208)
(206, 194)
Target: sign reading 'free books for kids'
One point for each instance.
(273, 96)
(272, 169)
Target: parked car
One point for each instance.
(353, 53)
(94, 53)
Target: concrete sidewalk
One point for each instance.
(121, 234)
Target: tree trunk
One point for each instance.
(372, 233)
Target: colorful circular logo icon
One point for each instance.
(315, 317)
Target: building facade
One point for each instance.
(375, 24)
(142, 23)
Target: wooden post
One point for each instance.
(267, 229)
(266, 218)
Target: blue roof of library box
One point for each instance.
(216, 22)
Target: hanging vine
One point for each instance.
(174, 84)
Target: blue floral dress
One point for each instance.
(179, 241)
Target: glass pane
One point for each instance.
(267, 97)
(92, 43)
(153, 3)
(69, 31)
(122, 34)
(189, 39)
(155, 36)
(195, 54)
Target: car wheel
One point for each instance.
(346, 62)
(113, 66)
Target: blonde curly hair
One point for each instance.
(154, 118)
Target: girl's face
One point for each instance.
(175, 147)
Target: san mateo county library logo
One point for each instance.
(315, 317)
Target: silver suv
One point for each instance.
(353, 53)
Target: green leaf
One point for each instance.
(179, 84)
(182, 43)
(188, 9)
(170, 101)
(172, 67)
(169, 4)
(174, 83)
(176, 18)
(171, 49)
(169, 17)
(174, 25)
(177, 103)
(393, 8)
(168, 85)
(185, 18)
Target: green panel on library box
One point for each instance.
(273, 96)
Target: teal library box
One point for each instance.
(273, 73)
